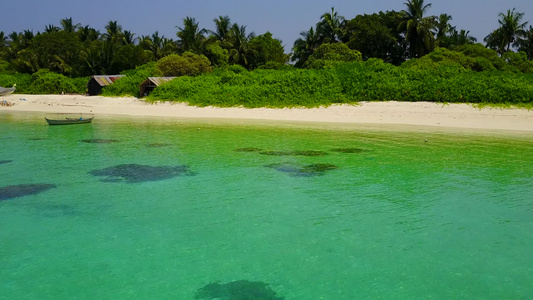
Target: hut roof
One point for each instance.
(157, 80)
(104, 80)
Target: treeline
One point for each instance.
(75, 50)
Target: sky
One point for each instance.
(285, 19)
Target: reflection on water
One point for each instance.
(337, 213)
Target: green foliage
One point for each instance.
(439, 57)
(440, 77)
(237, 69)
(186, 64)
(519, 60)
(129, 85)
(276, 66)
(47, 82)
(485, 59)
(329, 55)
(260, 88)
(377, 36)
(22, 81)
(4, 66)
(218, 56)
(374, 80)
(265, 49)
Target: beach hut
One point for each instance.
(151, 83)
(97, 82)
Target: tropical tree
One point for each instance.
(114, 33)
(458, 38)
(58, 52)
(377, 36)
(239, 51)
(223, 29)
(129, 37)
(305, 46)
(509, 33)
(331, 27)
(51, 28)
(3, 45)
(265, 49)
(443, 28)
(191, 36)
(87, 33)
(526, 43)
(153, 43)
(68, 26)
(418, 29)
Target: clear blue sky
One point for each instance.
(285, 19)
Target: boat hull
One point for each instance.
(68, 121)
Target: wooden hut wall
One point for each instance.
(93, 87)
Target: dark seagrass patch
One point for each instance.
(14, 191)
(99, 141)
(237, 290)
(134, 173)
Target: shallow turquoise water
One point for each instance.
(450, 218)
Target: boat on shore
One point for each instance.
(6, 91)
(68, 120)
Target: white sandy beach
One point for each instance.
(391, 112)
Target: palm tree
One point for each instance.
(114, 32)
(305, 46)
(526, 43)
(458, 38)
(153, 44)
(51, 28)
(509, 32)
(88, 34)
(68, 26)
(443, 26)
(191, 36)
(239, 41)
(129, 37)
(418, 29)
(3, 39)
(331, 26)
(3, 44)
(223, 29)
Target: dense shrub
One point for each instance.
(439, 57)
(237, 69)
(186, 64)
(372, 80)
(46, 82)
(376, 81)
(21, 80)
(329, 55)
(261, 88)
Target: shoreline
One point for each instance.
(463, 116)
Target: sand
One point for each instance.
(390, 112)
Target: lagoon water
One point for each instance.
(312, 211)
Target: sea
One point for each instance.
(150, 208)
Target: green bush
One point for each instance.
(260, 88)
(329, 55)
(237, 69)
(186, 64)
(46, 82)
(21, 80)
